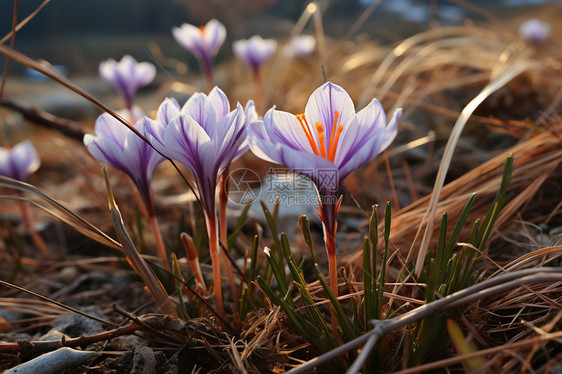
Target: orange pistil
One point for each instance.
(202, 29)
(329, 153)
(306, 129)
(320, 131)
(334, 137)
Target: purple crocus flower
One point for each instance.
(116, 145)
(326, 143)
(127, 76)
(17, 163)
(534, 31)
(204, 42)
(254, 51)
(300, 46)
(204, 135)
(20, 161)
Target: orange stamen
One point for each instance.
(337, 114)
(306, 129)
(327, 152)
(334, 145)
(320, 131)
(202, 29)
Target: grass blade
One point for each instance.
(142, 269)
(349, 333)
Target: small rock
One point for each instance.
(68, 274)
(77, 325)
(144, 360)
(54, 362)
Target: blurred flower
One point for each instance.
(204, 42)
(127, 76)
(326, 144)
(118, 146)
(20, 161)
(300, 46)
(204, 135)
(254, 51)
(17, 163)
(534, 31)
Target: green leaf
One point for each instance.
(463, 346)
(387, 220)
(349, 333)
(239, 225)
(367, 284)
(248, 291)
(304, 224)
(277, 247)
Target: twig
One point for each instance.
(12, 40)
(37, 347)
(36, 115)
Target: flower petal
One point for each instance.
(20, 161)
(167, 111)
(232, 140)
(200, 108)
(324, 102)
(250, 115)
(215, 35)
(127, 75)
(187, 142)
(254, 51)
(303, 162)
(368, 148)
(219, 102)
(285, 128)
(189, 37)
(109, 127)
(366, 124)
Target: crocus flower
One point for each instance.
(534, 31)
(250, 115)
(116, 145)
(127, 76)
(204, 135)
(204, 42)
(254, 51)
(300, 46)
(17, 163)
(20, 161)
(326, 143)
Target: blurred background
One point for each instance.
(80, 34)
